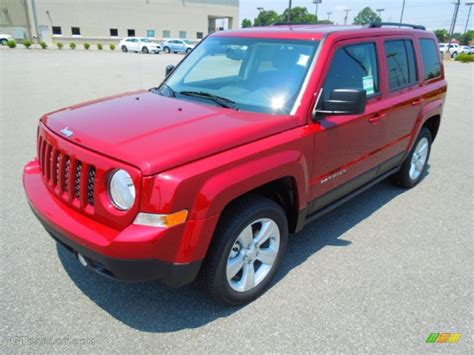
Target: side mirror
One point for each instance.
(169, 69)
(344, 102)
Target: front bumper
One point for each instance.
(137, 253)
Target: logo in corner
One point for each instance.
(67, 132)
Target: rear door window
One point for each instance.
(401, 63)
(353, 67)
(430, 58)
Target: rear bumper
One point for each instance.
(137, 253)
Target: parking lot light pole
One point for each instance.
(468, 15)
(289, 11)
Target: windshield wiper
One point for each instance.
(221, 101)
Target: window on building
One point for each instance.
(150, 33)
(166, 34)
(76, 31)
(57, 30)
(353, 66)
(430, 57)
(199, 35)
(113, 32)
(131, 32)
(182, 34)
(401, 63)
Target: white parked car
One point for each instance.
(177, 45)
(454, 49)
(4, 38)
(139, 44)
(465, 49)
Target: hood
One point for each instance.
(156, 133)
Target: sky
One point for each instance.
(433, 14)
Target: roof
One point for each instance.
(311, 31)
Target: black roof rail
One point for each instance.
(380, 24)
(290, 23)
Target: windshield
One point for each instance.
(253, 74)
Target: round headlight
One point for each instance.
(122, 190)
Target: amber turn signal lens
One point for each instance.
(161, 220)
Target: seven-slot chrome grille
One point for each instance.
(69, 178)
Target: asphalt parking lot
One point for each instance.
(376, 275)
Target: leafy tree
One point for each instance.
(457, 36)
(365, 16)
(246, 23)
(324, 22)
(299, 14)
(442, 35)
(266, 18)
(467, 37)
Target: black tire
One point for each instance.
(145, 50)
(188, 50)
(245, 212)
(403, 178)
(454, 55)
(166, 50)
(124, 49)
(4, 42)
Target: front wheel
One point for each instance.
(167, 50)
(414, 167)
(188, 50)
(124, 49)
(4, 42)
(246, 251)
(145, 50)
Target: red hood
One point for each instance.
(156, 133)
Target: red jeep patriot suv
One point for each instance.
(254, 134)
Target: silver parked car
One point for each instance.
(177, 45)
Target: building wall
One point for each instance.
(95, 18)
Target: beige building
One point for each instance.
(111, 20)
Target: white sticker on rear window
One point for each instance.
(368, 84)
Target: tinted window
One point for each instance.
(57, 30)
(166, 34)
(401, 63)
(182, 34)
(113, 32)
(131, 32)
(76, 31)
(430, 57)
(353, 67)
(199, 35)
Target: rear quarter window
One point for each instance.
(430, 58)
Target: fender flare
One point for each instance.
(227, 185)
(434, 108)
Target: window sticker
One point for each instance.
(368, 84)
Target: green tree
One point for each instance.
(299, 14)
(457, 36)
(365, 16)
(467, 37)
(246, 23)
(442, 35)
(266, 18)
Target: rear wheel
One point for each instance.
(188, 50)
(145, 50)
(124, 49)
(247, 250)
(167, 50)
(416, 163)
(4, 42)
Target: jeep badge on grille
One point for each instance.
(67, 132)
